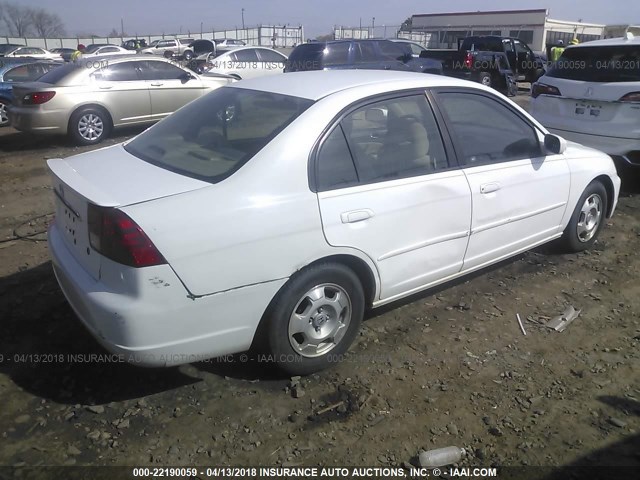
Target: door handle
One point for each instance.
(356, 216)
(157, 84)
(489, 187)
(106, 87)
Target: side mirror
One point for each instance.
(186, 76)
(554, 144)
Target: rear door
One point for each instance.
(169, 86)
(519, 196)
(386, 187)
(121, 87)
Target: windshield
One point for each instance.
(214, 136)
(620, 63)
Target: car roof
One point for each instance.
(314, 85)
(18, 62)
(609, 42)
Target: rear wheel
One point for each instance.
(188, 55)
(315, 319)
(485, 79)
(4, 115)
(587, 219)
(89, 126)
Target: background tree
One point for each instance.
(406, 25)
(325, 38)
(47, 24)
(18, 19)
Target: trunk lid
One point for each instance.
(110, 177)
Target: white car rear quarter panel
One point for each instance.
(147, 315)
(259, 225)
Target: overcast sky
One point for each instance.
(318, 17)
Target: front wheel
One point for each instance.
(587, 219)
(315, 319)
(89, 126)
(188, 55)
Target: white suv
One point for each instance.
(592, 96)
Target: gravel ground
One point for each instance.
(448, 367)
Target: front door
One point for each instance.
(386, 187)
(519, 196)
(169, 87)
(120, 86)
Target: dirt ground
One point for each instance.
(449, 367)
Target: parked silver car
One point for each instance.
(168, 48)
(247, 62)
(87, 99)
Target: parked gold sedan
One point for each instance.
(87, 99)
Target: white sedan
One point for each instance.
(103, 50)
(247, 62)
(273, 212)
(33, 52)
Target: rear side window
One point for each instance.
(365, 52)
(246, 55)
(336, 53)
(392, 50)
(118, 72)
(486, 131)
(307, 56)
(212, 137)
(23, 73)
(335, 164)
(599, 64)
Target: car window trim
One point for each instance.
(456, 141)
(312, 164)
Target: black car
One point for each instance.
(134, 44)
(374, 54)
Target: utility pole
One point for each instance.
(242, 18)
(122, 27)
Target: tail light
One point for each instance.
(468, 60)
(538, 89)
(115, 235)
(631, 97)
(37, 98)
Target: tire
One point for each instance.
(485, 79)
(188, 55)
(587, 219)
(4, 118)
(89, 126)
(323, 303)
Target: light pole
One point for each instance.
(242, 18)
(201, 30)
(373, 26)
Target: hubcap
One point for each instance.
(319, 320)
(90, 127)
(4, 118)
(486, 81)
(590, 216)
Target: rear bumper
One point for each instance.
(617, 146)
(159, 325)
(38, 120)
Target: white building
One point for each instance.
(442, 30)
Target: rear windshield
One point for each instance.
(54, 76)
(599, 64)
(211, 138)
(485, 44)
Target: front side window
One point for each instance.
(212, 137)
(365, 52)
(394, 138)
(161, 71)
(487, 131)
